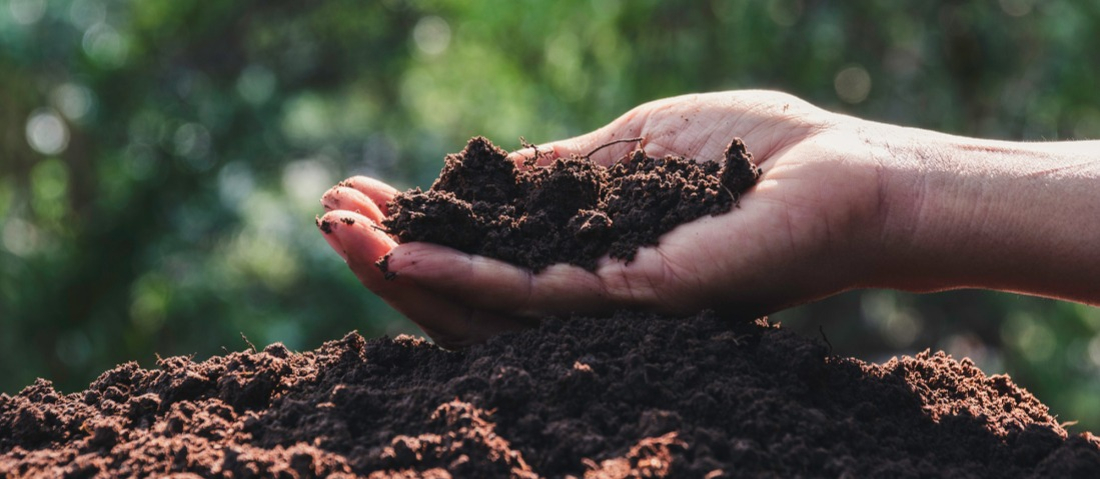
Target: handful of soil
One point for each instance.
(571, 211)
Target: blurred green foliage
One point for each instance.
(160, 162)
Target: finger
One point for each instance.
(599, 144)
(490, 284)
(349, 199)
(450, 324)
(355, 238)
(378, 192)
(580, 146)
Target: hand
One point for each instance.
(795, 237)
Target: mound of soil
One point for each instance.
(571, 211)
(627, 396)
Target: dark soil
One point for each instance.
(571, 211)
(628, 396)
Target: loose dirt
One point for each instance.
(627, 396)
(571, 211)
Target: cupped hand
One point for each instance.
(802, 233)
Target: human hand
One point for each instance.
(797, 236)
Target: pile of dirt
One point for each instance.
(570, 211)
(627, 396)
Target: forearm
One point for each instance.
(1023, 217)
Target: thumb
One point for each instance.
(604, 146)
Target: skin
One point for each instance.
(843, 203)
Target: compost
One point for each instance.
(627, 396)
(570, 211)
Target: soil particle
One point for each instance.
(571, 211)
(632, 395)
(324, 225)
(383, 265)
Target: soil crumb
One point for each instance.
(628, 396)
(570, 211)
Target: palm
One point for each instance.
(752, 260)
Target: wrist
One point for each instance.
(966, 213)
(926, 208)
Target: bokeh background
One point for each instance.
(160, 162)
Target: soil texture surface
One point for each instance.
(627, 396)
(570, 211)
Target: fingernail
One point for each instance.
(328, 200)
(327, 227)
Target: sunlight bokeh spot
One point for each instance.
(47, 132)
(432, 35)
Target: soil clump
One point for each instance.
(628, 396)
(570, 211)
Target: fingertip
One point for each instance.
(600, 147)
(327, 225)
(520, 157)
(533, 156)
